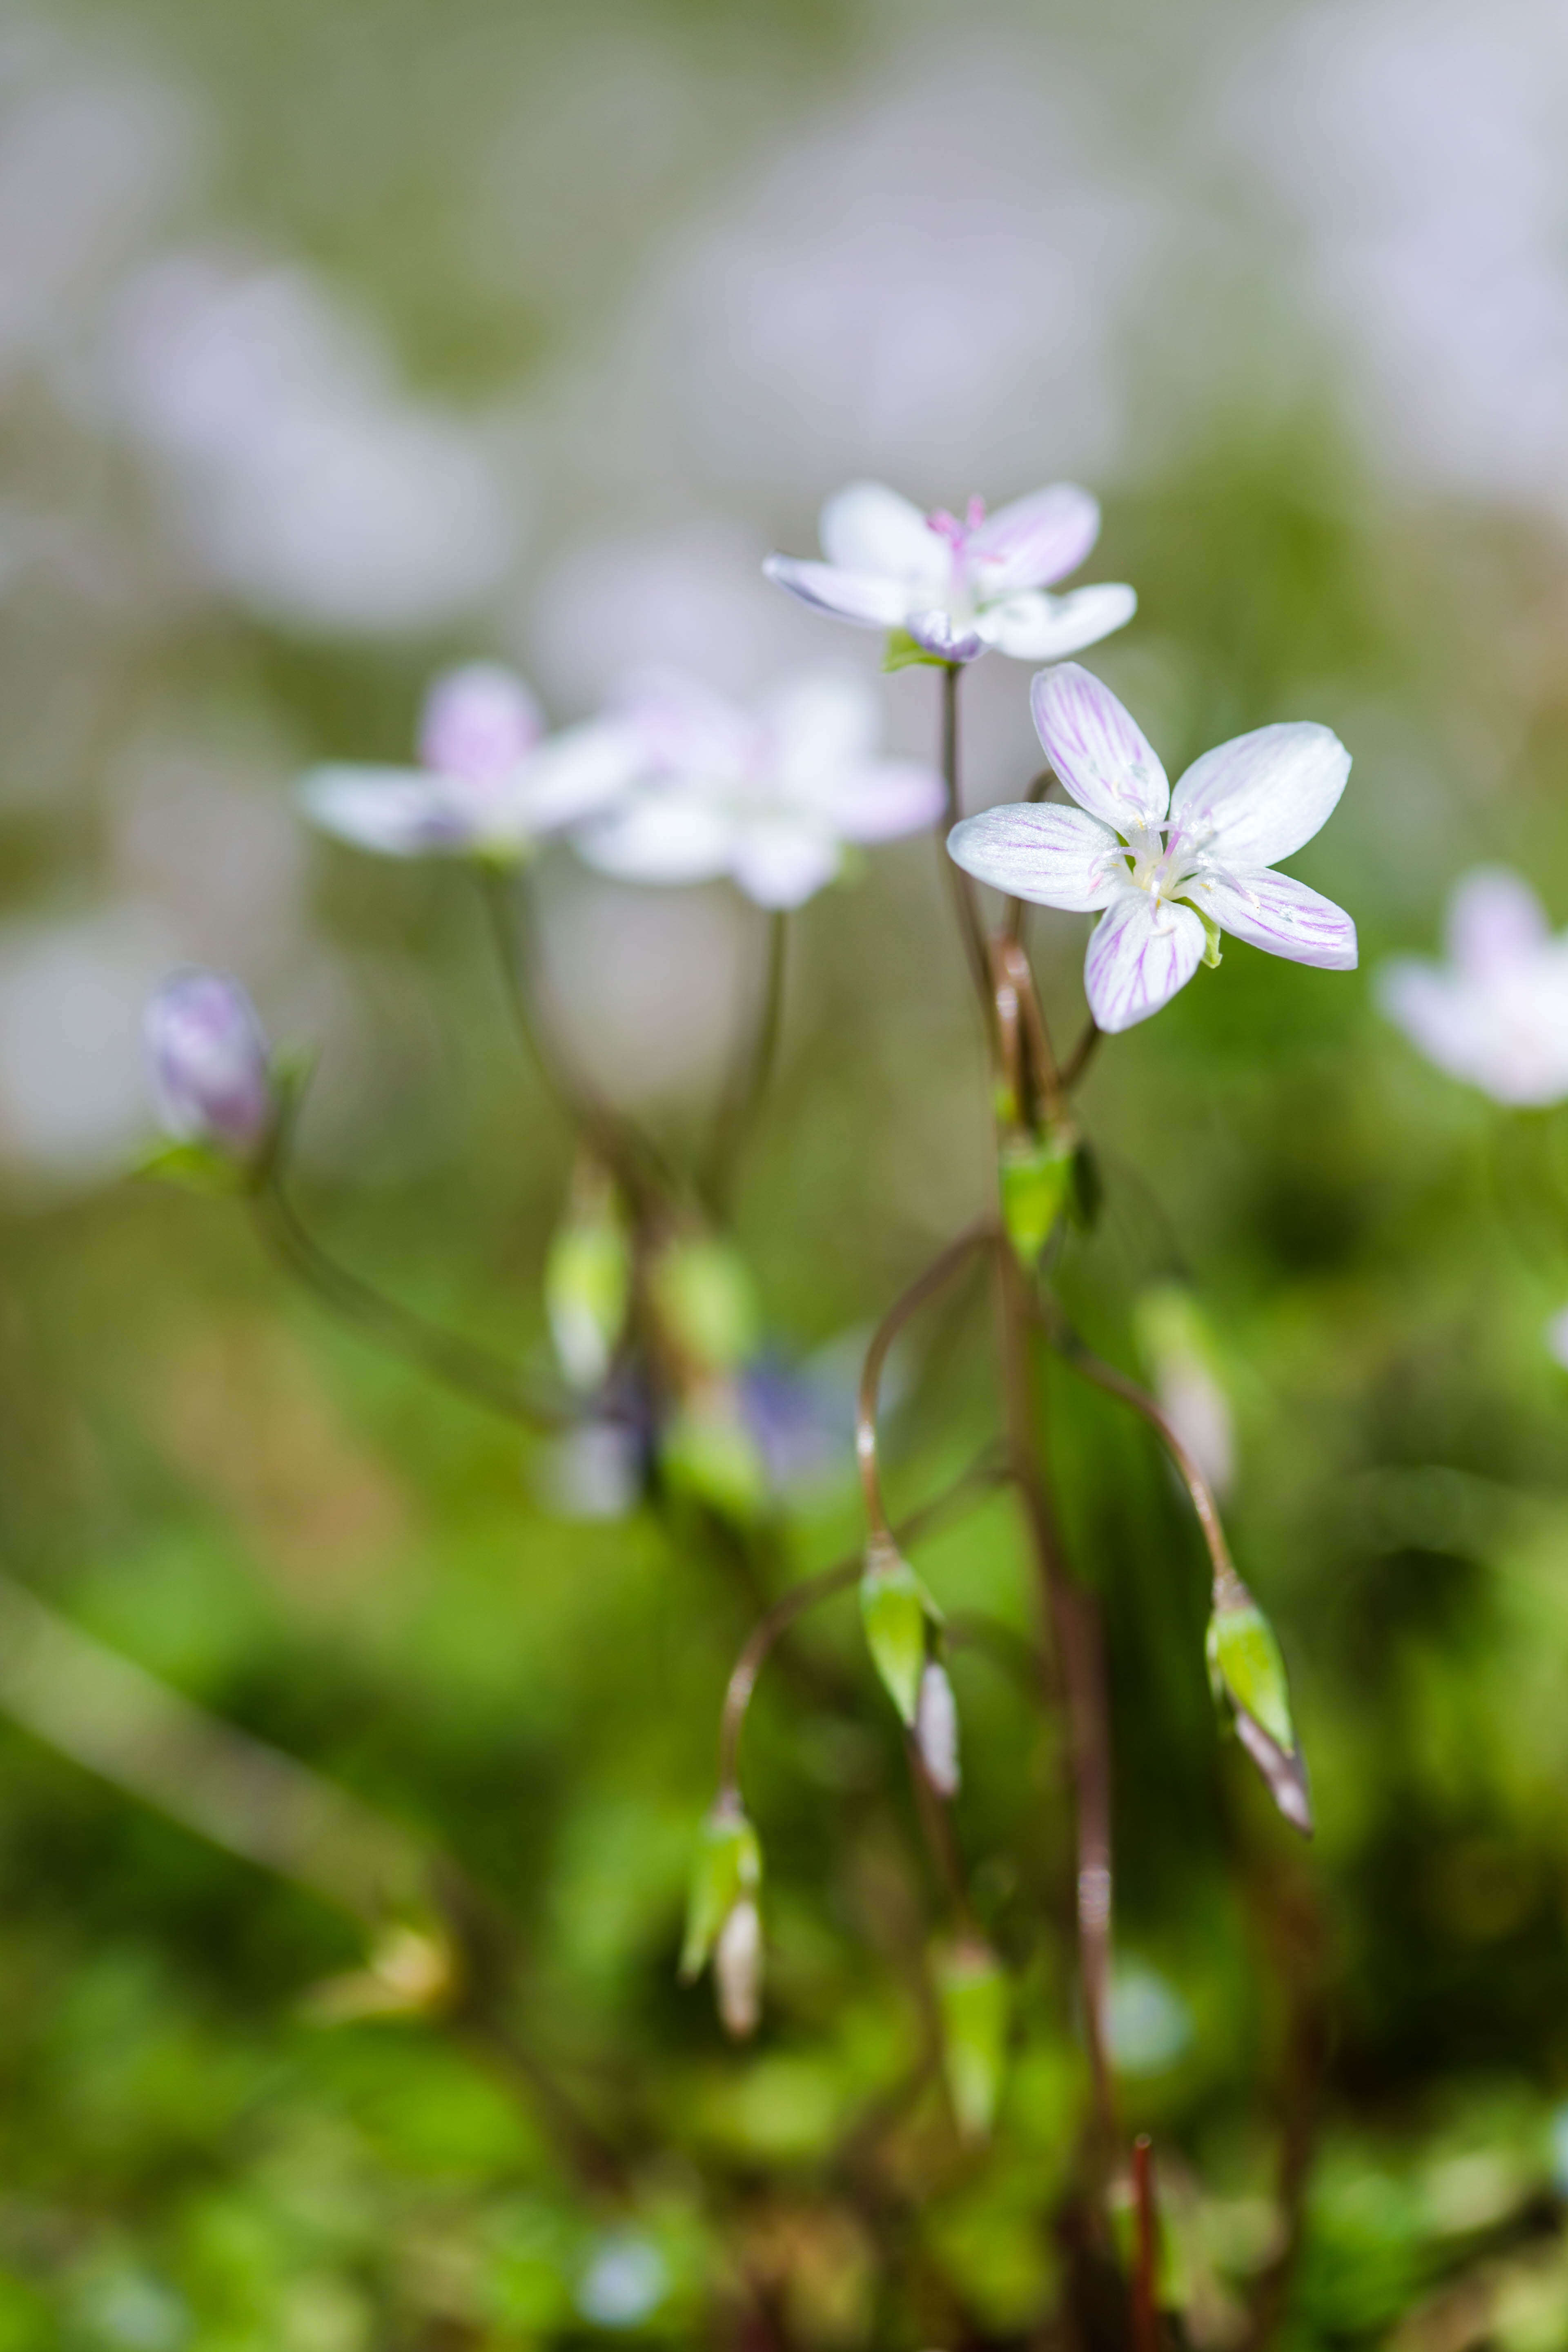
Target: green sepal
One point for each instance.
(1036, 1176)
(703, 1294)
(587, 1292)
(904, 652)
(708, 1452)
(975, 2002)
(197, 1167)
(1244, 1657)
(1212, 956)
(896, 1610)
(728, 1865)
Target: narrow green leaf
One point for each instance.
(895, 1610)
(727, 1867)
(975, 1999)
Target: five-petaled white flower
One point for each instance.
(1496, 1013)
(768, 796)
(960, 587)
(490, 783)
(1170, 869)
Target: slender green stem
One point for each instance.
(748, 1080)
(973, 1237)
(1074, 1621)
(965, 904)
(470, 1370)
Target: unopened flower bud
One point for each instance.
(706, 1450)
(478, 724)
(738, 1969)
(1036, 1175)
(206, 1055)
(974, 2000)
(896, 1611)
(936, 1729)
(727, 1871)
(1246, 1667)
(706, 1302)
(587, 1283)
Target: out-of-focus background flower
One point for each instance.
(340, 342)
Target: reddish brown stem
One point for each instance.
(886, 1332)
(1145, 2270)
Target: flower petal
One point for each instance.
(682, 727)
(479, 723)
(1255, 800)
(868, 528)
(397, 812)
(781, 863)
(1509, 1036)
(1276, 912)
(574, 774)
(871, 599)
(950, 640)
(821, 719)
(1037, 628)
(1097, 750)
(661, 837)
(1034, 540)
(1142, 950)
(1056, 856)
(881, 800)
(1495, 920)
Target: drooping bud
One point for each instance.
(1246, 1668)
(411, 1972)
(706, 1302)
(974, 1998)
(896, 1610)
(587, 1281)
(1036, 1174)
(207, 1059)
(727, 1870)
(709, 1451)
(1175, 1345)
(478, 724)
(936, 1729)
(738, 1969)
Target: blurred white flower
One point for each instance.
(207, 1058)
(489, 784)
(625, 2281)
(961, 588)
(769, 795)
(308, 482)
(1556, 1338)
(936, 1729)
(1495, 1015)
(1169, 869)
(73, 1100)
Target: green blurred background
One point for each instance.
(337, 342)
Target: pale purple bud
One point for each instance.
(936, 1729)
(480, 724)
(206, 1055)
(738, 1969)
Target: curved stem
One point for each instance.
(1082, 1054)
(886, 1332)
(749, 1079)
(981, 1475)
(470, 1370)
(1067, 1344)
(619, 1144)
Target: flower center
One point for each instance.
(946, 526)
(1162, 867)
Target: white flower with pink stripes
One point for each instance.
(1167, 871)
(960, 587)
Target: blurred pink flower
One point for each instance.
(961, 588)
(768, 796)
(207, 1057)
(490, 783)
(1495, 1015)
(1166, 867)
